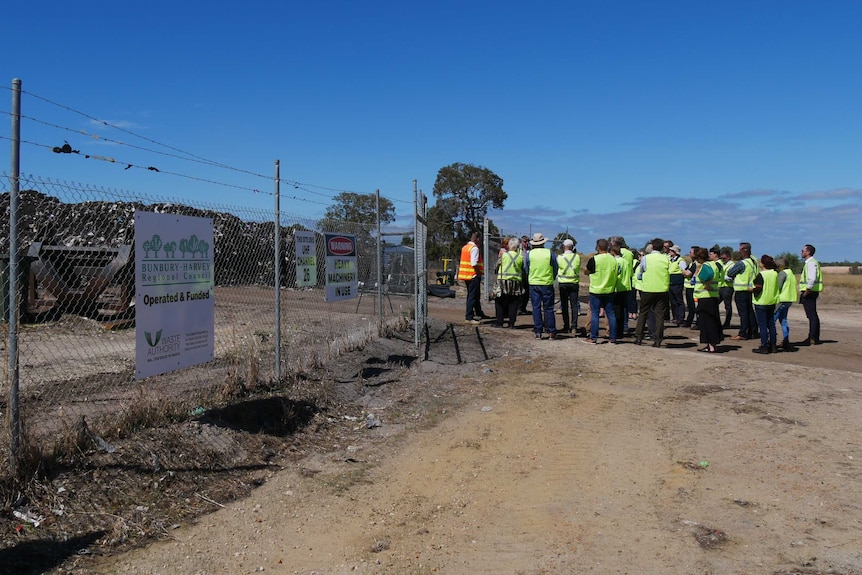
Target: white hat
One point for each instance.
(568, 243)
(538, 240)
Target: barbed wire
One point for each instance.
(187, 156)
(120, 143)
(67, 149)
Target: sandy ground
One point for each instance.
(568, 458)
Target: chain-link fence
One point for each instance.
(76, 337)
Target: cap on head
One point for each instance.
(676, 249)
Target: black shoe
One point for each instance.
(656, 343)
(761, 350)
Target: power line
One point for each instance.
(120, 143)
(187, 156)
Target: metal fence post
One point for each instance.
(14, 415)
(485, 253)
(277, 266)
(379, 268)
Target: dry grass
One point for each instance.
(842, 289)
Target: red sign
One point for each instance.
(340, 245)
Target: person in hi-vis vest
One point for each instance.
(810, 286)
(568, 280)
(470, 271)
(740, 275)
(540, 264)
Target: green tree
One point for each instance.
(465, 193)
(561, 237)
(360, 208)
(794, 262)
(441, 232)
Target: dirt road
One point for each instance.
(558, 457)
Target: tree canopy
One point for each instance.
(360, 208)
(464, 195)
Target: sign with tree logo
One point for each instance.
(174, 305)
(341, 280)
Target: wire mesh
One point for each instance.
(76, 338)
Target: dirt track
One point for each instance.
(558, 457)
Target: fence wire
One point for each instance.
(76, 338)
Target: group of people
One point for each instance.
(655, 285)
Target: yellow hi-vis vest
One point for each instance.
(656, 274)
(604, 279)
(624, 282)
(541, 270)
(568, 268)
(742, 281)
(818, 278)
(511, 266)
(708, 289)
(769, 294)
(788, 290)
(465, 269)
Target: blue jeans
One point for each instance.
(781, 318)
(765, 321)
(602, 301)
(542, 300)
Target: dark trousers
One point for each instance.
(621, 311)
(569, 305)
(709, 320)
(676, 303)
(690, 308)
(725, 294)
(745, 309)
(506, 307)
(542, 301)
(766, 321)
(809, 304)
(653, 306)
(474, 304)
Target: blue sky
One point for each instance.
(704, 122)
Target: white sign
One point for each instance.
(306, 259)
(174, 305)
(341, 280)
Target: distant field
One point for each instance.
(842, 288)
(835, 269)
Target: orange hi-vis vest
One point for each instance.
(465, 269)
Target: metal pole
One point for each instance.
(379, 269)
(14, 183)
(277, 273)
(417, 303)
(485, 259)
